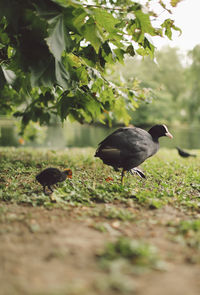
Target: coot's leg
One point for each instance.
(44, 190)
(138, 172)
(50, 188)
(122, 176)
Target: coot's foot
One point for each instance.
(138, 172)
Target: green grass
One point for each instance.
(188, 233)
(170, 180)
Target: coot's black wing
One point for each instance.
(122, 138)
(110, 139)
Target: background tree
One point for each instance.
(192, 97)
(163, 80)
(53, 54)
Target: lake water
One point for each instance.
(75, 135)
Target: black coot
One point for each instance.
(51, 176)
(128, 147)
(184, 154)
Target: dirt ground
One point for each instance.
(55, 252)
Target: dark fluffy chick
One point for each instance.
(51, 176)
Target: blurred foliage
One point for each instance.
(136, 253)
(53, 54)
(193, 94)
(172, 86)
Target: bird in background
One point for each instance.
(128, 147)
(184, 154)
(51, 176)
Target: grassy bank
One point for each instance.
(94, 236)
(170, 179)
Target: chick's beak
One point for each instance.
(169, 135)
(69, 173)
